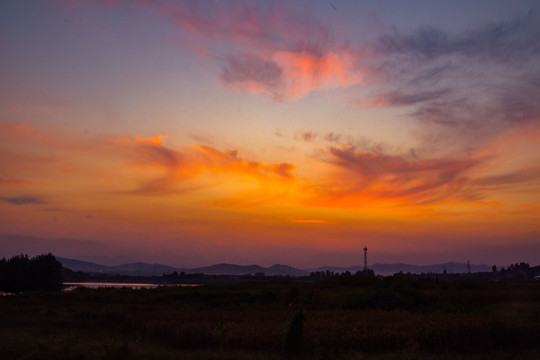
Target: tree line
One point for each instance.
(20, 273)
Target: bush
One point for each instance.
(294, 334)
(387, 299)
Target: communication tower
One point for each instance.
(365, 258)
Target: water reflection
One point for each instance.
(68, 286)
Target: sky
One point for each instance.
(296, 132)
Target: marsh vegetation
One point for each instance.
(352, 318)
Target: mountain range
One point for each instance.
(144, 269)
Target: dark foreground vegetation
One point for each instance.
(345, 317)
(20, 273)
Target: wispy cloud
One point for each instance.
(24, 200)
(519, 176)
(450, 82)
(308, 136)
(363, 143)
(254, 74)
(402, 178)
(400, 98)
(192, 162)
(279, 51)
(467, 86)
(349, 172)
(311, 221)
(151, 151)
(509, 41)
(14, 182)
(141, 165)
(332, 137)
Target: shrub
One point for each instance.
(294, 334)
(387, 299)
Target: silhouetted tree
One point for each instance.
(365, 273)
(15, 274)
(19, 273)
(45, 273)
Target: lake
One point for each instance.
(68, 286)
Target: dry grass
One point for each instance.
(249, 321)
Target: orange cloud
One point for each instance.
(311, 221)
(208, 177)
(14, 182)
(530, 207)
(200, 164)
(363, 179)
(156, 140)
(139, 166)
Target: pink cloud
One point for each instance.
(269, 49)
(305, 71)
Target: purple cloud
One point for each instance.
(23, 200)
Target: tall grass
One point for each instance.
(275, 319)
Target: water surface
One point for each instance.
(68, 286)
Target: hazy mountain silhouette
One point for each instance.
(144, 269)
(107, 260)
(232, 269)
(85, 266)
(135, 269)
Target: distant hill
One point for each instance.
(231, 269)
(84, 266)
(143, 269)
(278, 269)
(135, 269)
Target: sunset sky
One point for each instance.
(198, 132)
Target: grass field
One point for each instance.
(355, 318)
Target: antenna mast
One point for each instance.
(365, 258)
